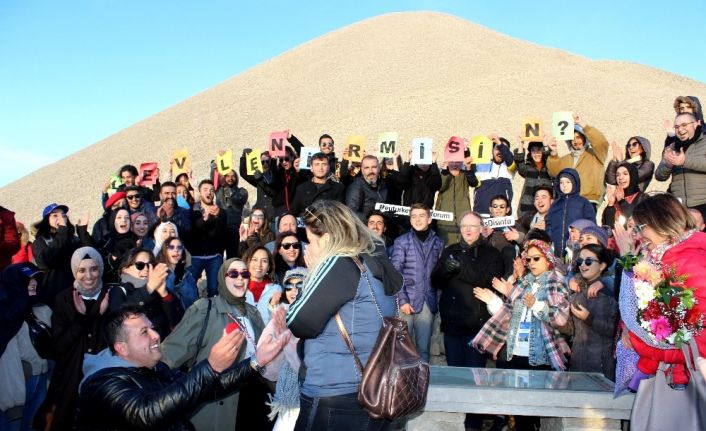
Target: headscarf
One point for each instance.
(87, 253)
(223, 291)
(545, 249)
(158, 241)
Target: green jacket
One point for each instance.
(180, 348)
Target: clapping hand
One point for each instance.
(501, 285)
(485, 295)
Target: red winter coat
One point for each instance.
(689, 258)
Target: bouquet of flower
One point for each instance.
(665, 304)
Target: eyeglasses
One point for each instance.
(141, 265)
(326, 144)
(290, 286)
(132, 197)
(295, 245)
(533, 258)
(233, 273)
(588, 261)
(175, 247)
(257, 215)
(496, 206)
(682, 125)
(469, 226)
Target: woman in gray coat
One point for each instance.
(185, 345)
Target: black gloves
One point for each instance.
(452, 265)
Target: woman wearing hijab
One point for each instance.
(163, 231)
(626, 196)
(119, 242)
(637, 153)
(209, 316)
(76, 330)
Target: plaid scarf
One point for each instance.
(502, 326)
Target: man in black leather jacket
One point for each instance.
(126, 387)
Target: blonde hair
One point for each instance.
(348, 236)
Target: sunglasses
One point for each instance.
(233, 273)
(633, 144)
(132, 197)
(175, 247)
(295, 245)
(588, 261)
(286, 159)
(290, 286)
(141, 265)
(639, 228)
(326, 144)
(533, 258)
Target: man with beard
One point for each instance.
(209, 237)
(137, 204)
(232, 199)
(497, 180)
(366, 190)
(587, 155)
(462, 266)
(168, 210)
(685, 162)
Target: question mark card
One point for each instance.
(532, 130)
(421, 151)
(563, 126)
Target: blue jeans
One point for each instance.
(211, 265)
(460, 354)
(340, 413)
(420, 326)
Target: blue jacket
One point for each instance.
(566, 209)
(415, 260)
(339, 287)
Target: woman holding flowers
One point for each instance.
(663, 294)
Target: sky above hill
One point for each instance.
(73, 73)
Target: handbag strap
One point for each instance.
(364, 274)
(349, 343)
(691, 353)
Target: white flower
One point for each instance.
(644, 292)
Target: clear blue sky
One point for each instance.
(74, 72)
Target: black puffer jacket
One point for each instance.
(461, 312)
(361, 197)
(123, 398)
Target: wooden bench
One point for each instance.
(564, 400)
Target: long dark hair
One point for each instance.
(247, 257)
(162, 257)
(279, 260)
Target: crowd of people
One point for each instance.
(170, 312)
